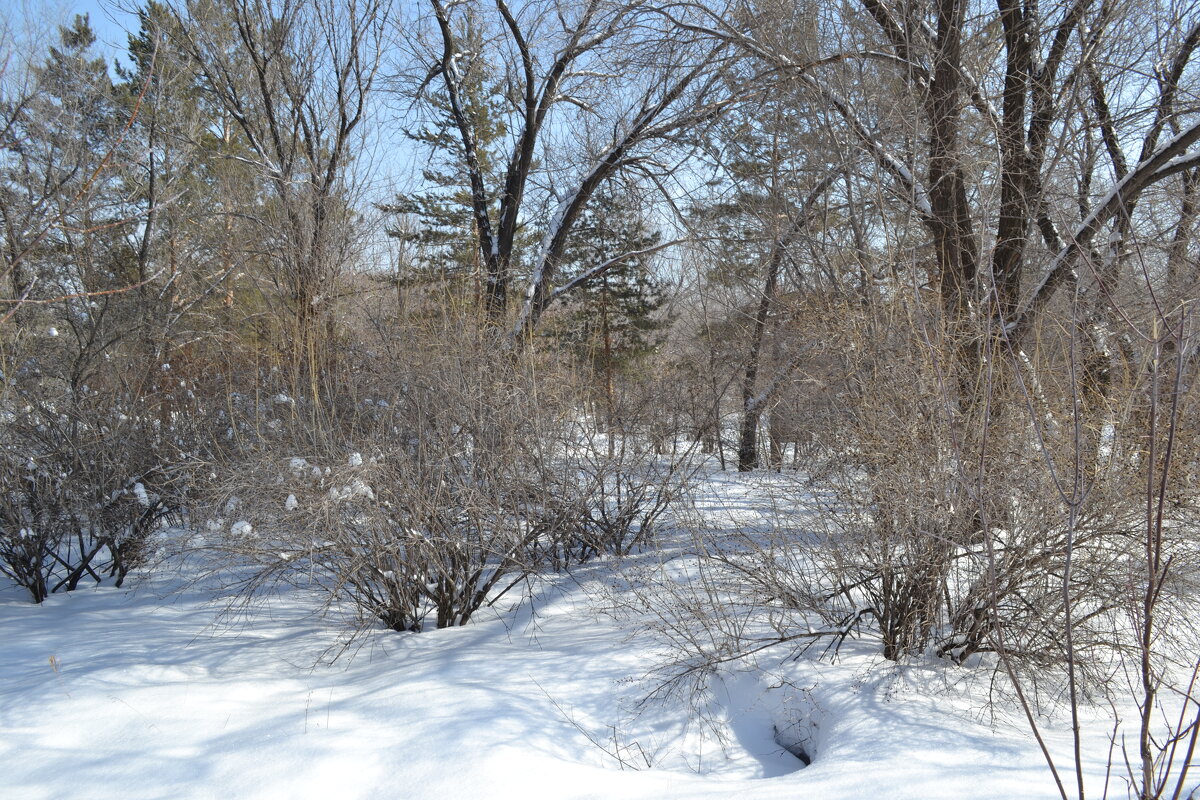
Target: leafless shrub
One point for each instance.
(449, 473)
(622, 497)
(941, 543)
(87, 476)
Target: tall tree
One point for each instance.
(437, 220)
(56, 143)
(601, 67)
(67, 219)
(296, 79)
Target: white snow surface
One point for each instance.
(151, 692)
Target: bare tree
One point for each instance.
(569, 66)
(296, 79)
(753, 400)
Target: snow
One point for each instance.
(152, 691)
(356, 488)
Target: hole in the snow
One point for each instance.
(797, 740)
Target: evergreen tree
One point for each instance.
(63, 208)
(437, 222)
(194, 180)
(614, 318)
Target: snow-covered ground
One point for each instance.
(146, 692)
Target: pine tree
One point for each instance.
(614, 319)
(63, 209)
(765, 159)
(67, 217)
(437, 222)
